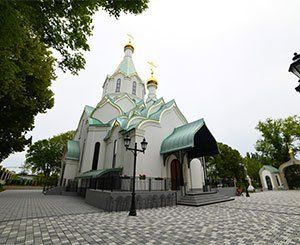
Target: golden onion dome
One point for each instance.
(129, 46)
(152, 81)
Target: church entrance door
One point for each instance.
(176, 175)
(292, 175)
(269, 183)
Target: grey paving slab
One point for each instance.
(264, 218)
(20, 204)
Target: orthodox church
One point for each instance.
(130, 107)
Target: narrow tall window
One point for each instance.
(144, 91)
(114, 154)
(277, 180)
(96, 156)
(118, 85)
(134, 88)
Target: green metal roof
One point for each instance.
(182, 137)
(96, 122)
(88, 109)
(73, 150)
(156, 115)
(93, 174)
(122, 121)
(126, 66)
(270, 168)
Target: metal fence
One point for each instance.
(116, 183)
(146, 184)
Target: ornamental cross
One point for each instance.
(130, 37)
(152, 66)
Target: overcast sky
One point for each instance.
(224, 61)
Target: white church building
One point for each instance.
(130, 107)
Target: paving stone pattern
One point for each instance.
(264, 218)
(18, 204)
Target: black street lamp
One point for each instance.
(134, 150)
(295, 68)
(47, 173)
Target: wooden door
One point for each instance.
(176, 175)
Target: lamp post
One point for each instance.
(134, 150)
(47, 173)
(295, 68)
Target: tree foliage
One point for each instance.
(29, 31)
(278, 136)
(47, 151)
(226, 165)
(253, 164)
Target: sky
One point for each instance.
(224, 61)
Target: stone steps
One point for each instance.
(203, 198)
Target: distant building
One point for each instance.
(27, 176)
(5, 174)
(286, 177)
(270, 178)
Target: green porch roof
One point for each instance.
(270, 168)
(73, 150)
(182, 137)
(93, 174)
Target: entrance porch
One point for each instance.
(184, 153)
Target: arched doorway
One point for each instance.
(176, 175)
(269, 183)
(292, 175)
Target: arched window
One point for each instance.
(144, 91)
(134, 88)
(114, 154)
(118, 86)
(277, 180)
(96, 156)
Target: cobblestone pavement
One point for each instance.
(264, 218)
(18, 204)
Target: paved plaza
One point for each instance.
(29, 217)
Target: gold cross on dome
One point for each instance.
(152, 66)
(130, 38)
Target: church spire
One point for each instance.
(125, 78)
(126, 66)
(152, 84)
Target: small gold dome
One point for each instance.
(130, 46)
(152, 81)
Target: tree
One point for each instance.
(47, 152)
(278, 136)
(30, 31)
(226, 165)
(253, 164)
